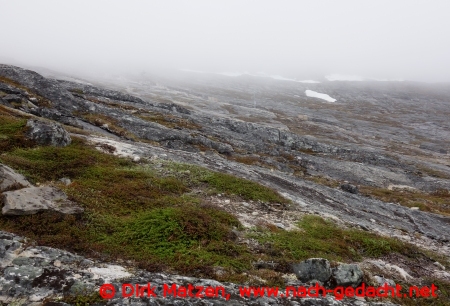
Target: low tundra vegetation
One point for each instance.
(437, 201)
(157, 215)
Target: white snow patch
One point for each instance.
(313, 94)
(109, 273)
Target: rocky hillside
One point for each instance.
(225, 181)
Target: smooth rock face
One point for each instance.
(31, 200)
(313, 269)
(10, 179)
(348, 275)
(48, 133)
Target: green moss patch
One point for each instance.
(321, 238)
(226, 183)
(12, 131)
(132, 212)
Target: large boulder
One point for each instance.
(10, 180)
(348, 275)
(313, 269)
(31, 200)
(47, 133)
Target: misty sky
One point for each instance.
(405, 39)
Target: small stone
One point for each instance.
(57, 263)
(414, 208)
(350, 188)
(439, 265)
(66, 181)
(280, 225)
(381, 281)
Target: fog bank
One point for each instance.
(294, 39)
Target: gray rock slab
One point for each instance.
(31, 200)
(9, 179)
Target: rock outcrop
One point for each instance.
(313, 269)
(347, 275)
(319, 269)
(19, 197)
(32, 274)
(11, 180)
(47, 133)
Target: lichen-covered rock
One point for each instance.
(31, 200)
(313, 269)
(9, 179)
(47, 133)
(32, 274)
(348, 275)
